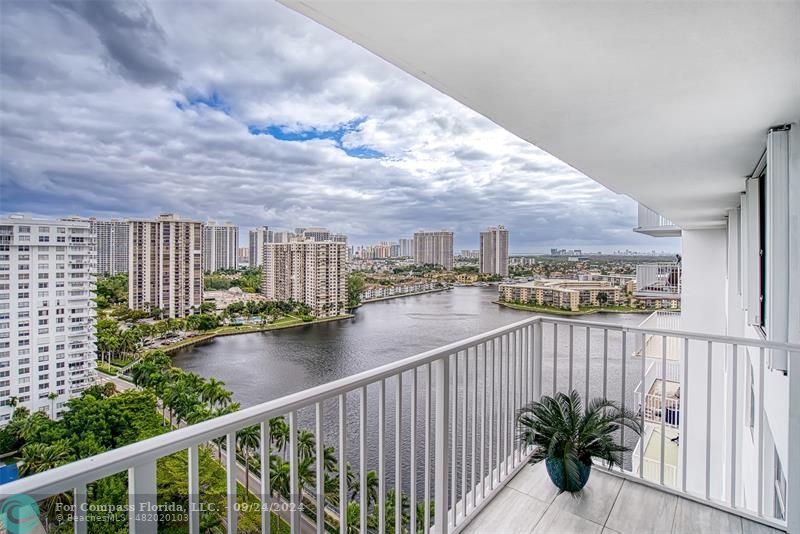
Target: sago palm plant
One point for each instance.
(568, 437)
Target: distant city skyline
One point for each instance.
(321, 133)
(467, 241)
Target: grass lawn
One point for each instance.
(106, 369)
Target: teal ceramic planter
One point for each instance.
(555, 468)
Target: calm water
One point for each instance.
(263, 366)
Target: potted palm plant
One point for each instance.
(568, 438)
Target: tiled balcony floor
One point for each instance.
(608, 505)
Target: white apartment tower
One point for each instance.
(311, 272)
(493, 257)
(47, 315)
(406, 247)
(165, 269)
(435, 248)
(258, 238)
(220, 246)
(112, 245)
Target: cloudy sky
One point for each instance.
(248, 112)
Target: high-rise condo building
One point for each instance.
(112, 245)
(47, 313)
(434, 248)
(406, 247)
(220, 242)
(258, 238)
(165, 269)
(311, 272)
(282, 237)
(243, 257)
(314, 233)
(494, 251)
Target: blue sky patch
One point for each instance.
(282, 133)
(212, 101)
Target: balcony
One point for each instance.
(443, 431)
(659, 281)
(651, 223)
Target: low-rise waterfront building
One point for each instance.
(376, 291)
(567, 294)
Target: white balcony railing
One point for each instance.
(451, 415)
(651, 223)
(659, 280)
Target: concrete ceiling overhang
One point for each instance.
(667, 102)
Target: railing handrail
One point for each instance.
(75, 474)
(695, 336)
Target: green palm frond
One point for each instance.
(560, 427)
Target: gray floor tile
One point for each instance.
(639, 509)
(692, 517)
(560, 521)
(533, 480)
(751, 527)
(511, 512)
(595, 501)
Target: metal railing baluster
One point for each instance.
(193, 486)
(294, 481)
(412, 481)
(319, 442)
(708, 421)
(382, 457)
(441, 460)
(362, 457)
(79, 524)
(342, 463)
(398, 466)
(230, 472)
(734, 427)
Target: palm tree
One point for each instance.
(373, 486)
(39, 457)
(52, 398)
(569, 437)
(330, 459)
(248, 439)
(391, 509)
(195, 383)
(279, 432)
(211, 391)
(279, 475)
(353, 514)
(330, 487)
(306, 473)
(306, 444)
